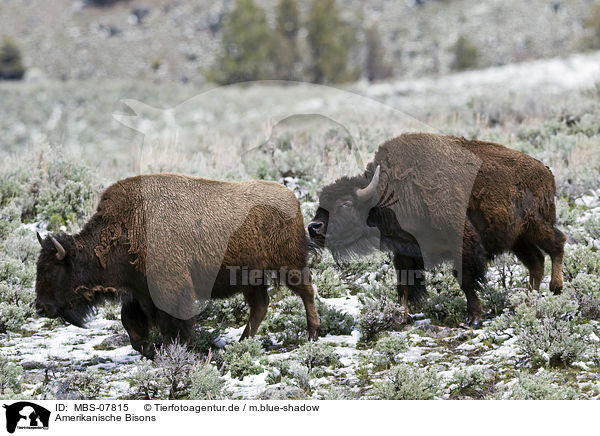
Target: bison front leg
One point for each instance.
(257, 298)
(173, 329)
(410, 281)
(137, 325)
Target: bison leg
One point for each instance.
(410, 279)
(554, 245)
(473, 273)
(257, 298)
(136, 323)
(172, 328)
(533, 259)
(307, 293)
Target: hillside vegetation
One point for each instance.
(61, 146)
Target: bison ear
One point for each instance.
(39, 238)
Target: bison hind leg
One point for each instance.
(257, 298)
(533, 258)
(307, 293)
(553, 243)
(473, 269)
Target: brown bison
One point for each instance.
(165, 243)
(429, 198)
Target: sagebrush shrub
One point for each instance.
(391, 347)
(202, 340)
(205, 381)
(580, 258)
(405, 382)
(378, 315)
(175, 363)
(446, 301)
(146, 381)
(286, 321)
(10, 378)
(539, 386)
(585, 289)
(21, 245)
(317, 354)
(225, 312)
(10, 218)
(87, 383)
(549, 329)
(290, 371)
(50, 187)
(243, 358)
(16, 305)
(471, 382)
(334, 321)
(329, 283)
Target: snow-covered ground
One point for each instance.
(548, 76)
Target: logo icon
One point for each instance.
(26, 415)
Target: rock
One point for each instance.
(34, 75)
(30, 364)
(59, 390)
(113, 342)
(282, 393)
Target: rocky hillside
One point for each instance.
(178, 40)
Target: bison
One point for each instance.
(165, 243)
(430, 198)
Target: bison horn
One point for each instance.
(60, 251)
(39, 238)
(368, 192)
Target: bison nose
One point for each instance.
(315, 228)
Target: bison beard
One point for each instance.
(436, 198)
(163, 244)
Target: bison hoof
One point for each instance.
(473, 323)
(313, 334)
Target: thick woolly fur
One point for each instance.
(169, 242)
(448, 193)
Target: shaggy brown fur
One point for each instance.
(451, 196)
(165, 242)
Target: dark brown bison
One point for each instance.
(429, 198)
(165, 243)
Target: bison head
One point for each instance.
(341, 222)
(56, 292)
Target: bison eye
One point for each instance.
(346, 204)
